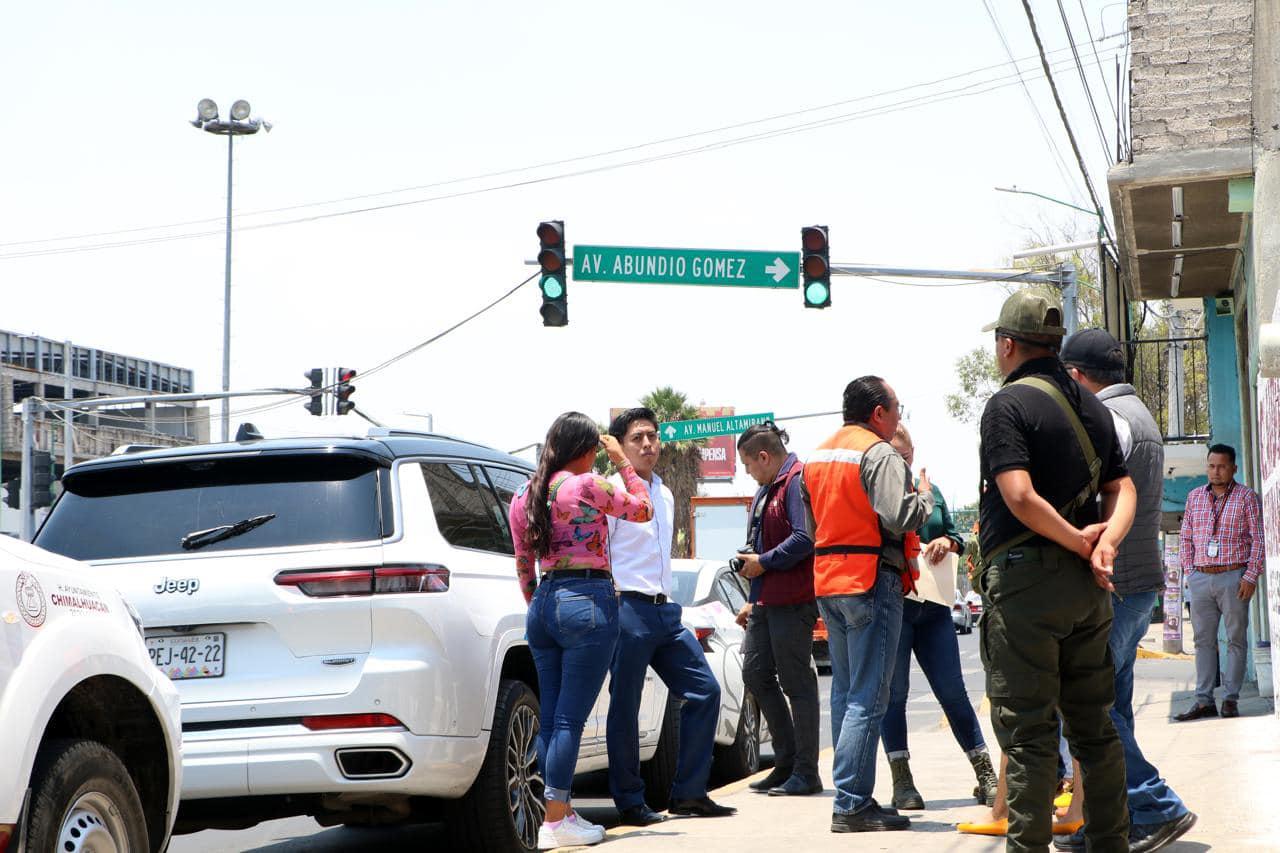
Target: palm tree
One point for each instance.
(679, 463)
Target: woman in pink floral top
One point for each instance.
(558, 521)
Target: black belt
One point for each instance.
(826, 550)
(588, 574)
(660, 598)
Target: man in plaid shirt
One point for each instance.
(1222, 551)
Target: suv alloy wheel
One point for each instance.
(506, 805)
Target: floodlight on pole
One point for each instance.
(239, 124)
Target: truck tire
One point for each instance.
(742, 757)
(82, 798)
(659, 772)
(505, 805)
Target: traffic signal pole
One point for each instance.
(28, 511)
(1063, 278)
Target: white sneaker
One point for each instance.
(581, 821)
(567, 833)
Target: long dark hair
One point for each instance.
(571, 435)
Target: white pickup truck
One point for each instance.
(90, 729)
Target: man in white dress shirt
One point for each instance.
(651, 634)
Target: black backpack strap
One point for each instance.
(1086, 449)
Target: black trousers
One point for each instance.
(777, 659)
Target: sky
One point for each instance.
(400, 106)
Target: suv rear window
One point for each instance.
(146, 509)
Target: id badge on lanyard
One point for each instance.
(1211, 550)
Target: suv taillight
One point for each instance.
(389, 579)
(351, 721)
(382, 580)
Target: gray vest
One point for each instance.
(1138, 565)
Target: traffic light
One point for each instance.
(41, 478)
(316, 404)
(13, 493)
(555, 292)
(343, 390)
(815, 264)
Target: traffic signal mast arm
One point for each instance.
(1064, 278)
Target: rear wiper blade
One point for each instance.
(200, 538)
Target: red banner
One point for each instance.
(719, 454)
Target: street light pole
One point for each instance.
(226, 305)
(239, 124)
(1070, 287)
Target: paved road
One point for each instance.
(295, 835)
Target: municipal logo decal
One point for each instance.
(30, 599)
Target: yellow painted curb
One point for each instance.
(1154, 655)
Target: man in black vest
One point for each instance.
(777, 653)
(1096, 360)
(1048, 451)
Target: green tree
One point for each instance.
(678, 464)
(977, 375)
(979, 379)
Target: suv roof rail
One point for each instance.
(125, 449)
(389, 432)
(383, 432)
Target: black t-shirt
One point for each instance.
(1024, 429)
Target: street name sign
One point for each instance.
(716, 267)
(710, 427)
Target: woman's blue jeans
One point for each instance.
(928, 631)
(572, 628)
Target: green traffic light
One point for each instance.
(816, 293)
(552, 287)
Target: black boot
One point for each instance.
(905, 795)
(775, 778)
(985, 791)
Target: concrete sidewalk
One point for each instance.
(1220, 768)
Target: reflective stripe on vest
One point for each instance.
(848, 541)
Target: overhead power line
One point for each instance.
(1059, 161)
(970, 89)
(361, 374)
(1066, 123)
(1084, 83)
(1115, 114)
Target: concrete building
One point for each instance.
(55, 370)
(1197, 212)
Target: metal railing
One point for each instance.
(1171, 376)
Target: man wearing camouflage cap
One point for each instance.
(1048, 451)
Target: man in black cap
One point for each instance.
(1096, 360)
(1048, 451)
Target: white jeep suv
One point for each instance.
(90, 738)
(342, 619)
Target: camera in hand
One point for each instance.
(736, 563)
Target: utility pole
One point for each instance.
(68, 430)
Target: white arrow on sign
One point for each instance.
(670, 431)
(778, 269)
